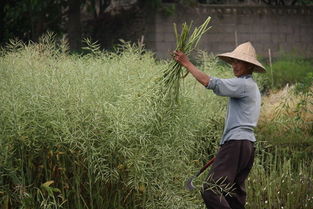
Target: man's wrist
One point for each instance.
(187, 65)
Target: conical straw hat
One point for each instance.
(244, 52)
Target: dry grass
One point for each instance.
(285, 102)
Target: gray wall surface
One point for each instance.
(281, 29)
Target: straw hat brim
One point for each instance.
(229, 56)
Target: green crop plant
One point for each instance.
(89, 131)
(92, 125)
(279, 180)
(186, 42)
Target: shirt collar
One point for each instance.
(246, 76)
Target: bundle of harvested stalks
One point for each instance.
(186, 42)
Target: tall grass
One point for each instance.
(279, 181)
(288, 70)
(88, 131)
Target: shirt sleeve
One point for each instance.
(233, 87)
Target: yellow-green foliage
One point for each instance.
(96, 126)
(93, 132)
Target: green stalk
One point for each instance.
(185, 42)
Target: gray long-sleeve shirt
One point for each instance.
(243, 106)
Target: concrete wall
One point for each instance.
(288, 29)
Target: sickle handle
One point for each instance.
(205, 166)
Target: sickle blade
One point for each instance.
(189, 184)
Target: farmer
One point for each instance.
(236, 153)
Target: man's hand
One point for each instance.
(181, 58)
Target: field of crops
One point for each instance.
(95, 131)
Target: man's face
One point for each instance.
(241, 68)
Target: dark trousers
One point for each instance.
(233, 163)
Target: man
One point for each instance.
(236, 154)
